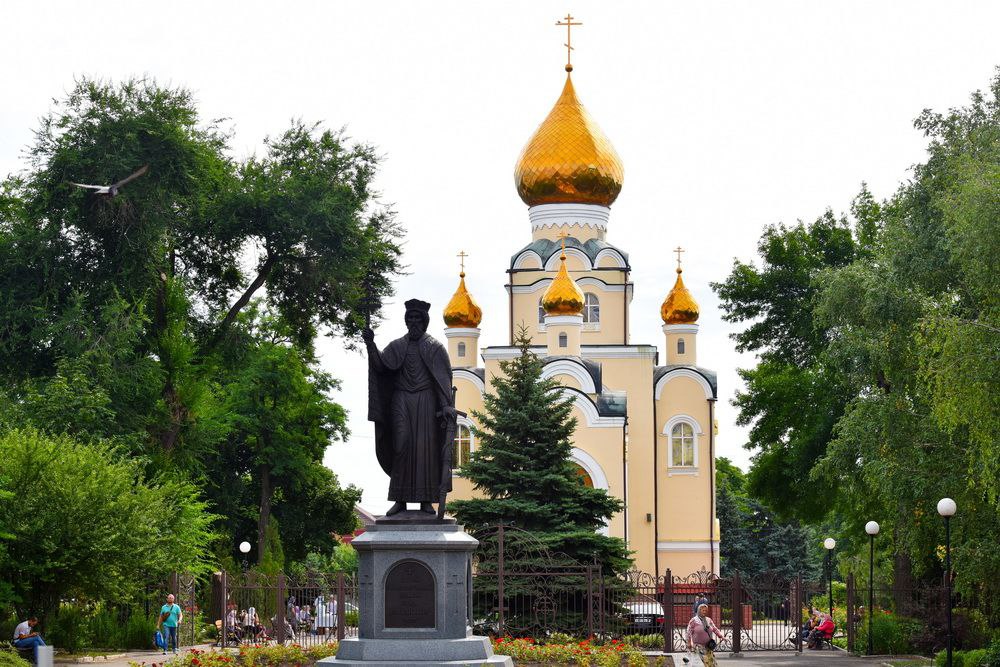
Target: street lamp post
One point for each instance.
(245, 549)
(829, 543)
(872, 529)
(946, 507)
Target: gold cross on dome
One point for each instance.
(569, 41)
(461, 258)
(563, 235)
(679, 250)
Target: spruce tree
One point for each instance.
(523, 471)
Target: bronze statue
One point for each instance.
(411, 401)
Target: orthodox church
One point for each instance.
(646, 429)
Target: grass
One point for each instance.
(909, 662)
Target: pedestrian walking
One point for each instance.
(170, 617)
(700, 631)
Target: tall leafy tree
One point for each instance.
(523, 470)
(283, 421)
(792, 398)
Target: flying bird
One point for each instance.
(112, 190)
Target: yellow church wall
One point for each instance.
(634, 375)
(681, 488)
(604, 445)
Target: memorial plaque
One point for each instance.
(409, 596)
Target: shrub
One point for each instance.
(9, 658)
(891, 634)
(138, 631)
(68, 628)
(103, 630)
(974, 658)
(993, 653)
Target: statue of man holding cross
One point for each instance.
(410, 399)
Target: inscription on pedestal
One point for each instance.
(409, 596)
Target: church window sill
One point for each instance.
(682, 471)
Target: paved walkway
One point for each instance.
(805, 659)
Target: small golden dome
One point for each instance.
(568, 160)
(462, 311)
(679, 307)
(564, 296)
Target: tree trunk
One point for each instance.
(265, 510)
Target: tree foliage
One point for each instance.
(892, 351)
(87, 521)
(523, 470)
(177, 320)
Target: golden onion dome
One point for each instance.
(679, 307)
(462, 311)
(569, 160)
(564, 296)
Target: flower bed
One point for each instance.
(527, 652)
(289, 655)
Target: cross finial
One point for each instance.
(569, 41)
(679, 250)
(461, 258)
(562, 235)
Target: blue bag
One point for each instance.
(159, 640)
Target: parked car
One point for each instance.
(644, 617)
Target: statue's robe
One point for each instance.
(405, 399)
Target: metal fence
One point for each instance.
(254, 608)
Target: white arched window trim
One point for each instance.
(668, 428)
(597, 476)
(467, 423)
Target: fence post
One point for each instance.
(341, 610)
(224, 596)
(799, 603)
(737, 601)
(851, 603)
(668, 612)
(590, 601)
(279, 614)
(500, 599)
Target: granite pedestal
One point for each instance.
(414, 594)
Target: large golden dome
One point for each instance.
(568, 160)
(564, 296)
(679, 307)
(462, 311)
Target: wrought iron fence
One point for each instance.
(255, 608)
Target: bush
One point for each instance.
(138, 632)
(993, 653)
(975, 658)
(891, 634)
(9, 658)
(68, 628)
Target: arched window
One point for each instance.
(680, 346)
(463, 446)
(541, 312)
(563, 340)
(584, 476)
(682, 446)
(461, 349)
(591, 308)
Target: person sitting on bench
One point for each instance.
(822, 632)
(25, 636)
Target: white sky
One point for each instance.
(728, 116)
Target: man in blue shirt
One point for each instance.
(170, 617)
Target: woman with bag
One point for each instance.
(699, 635)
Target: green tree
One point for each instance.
(792, 399)
(124, 316)
(86, 521)
(523, 470)
(282, 423)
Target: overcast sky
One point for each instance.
(728, 116)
